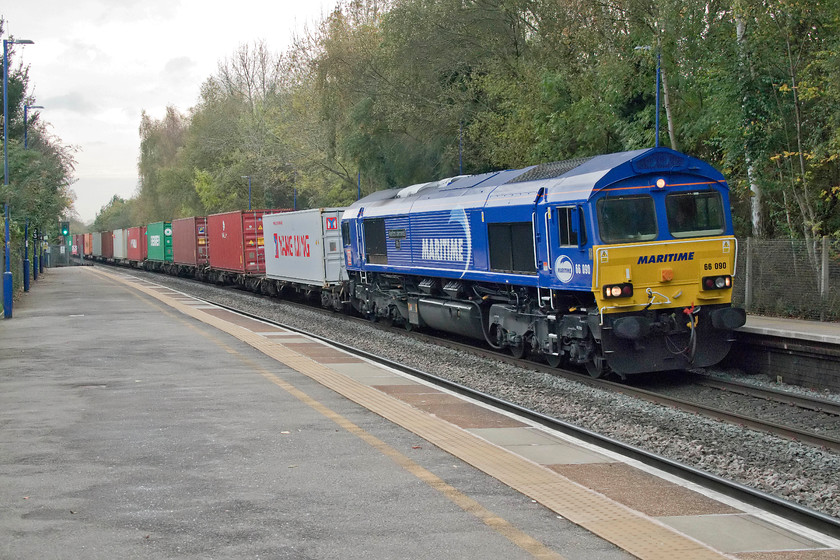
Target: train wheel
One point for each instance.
(554, 361)
(518, 351)
(596, 367)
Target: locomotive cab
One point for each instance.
(664, 267)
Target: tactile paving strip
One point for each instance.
(637, 534)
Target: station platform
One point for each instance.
(809, 331)
(139, 422)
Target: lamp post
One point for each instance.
(35, 261)
(249, 188)
(7, 276)
(26, 123)
(658, 74)
(26, 226)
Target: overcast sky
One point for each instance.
(96, 64)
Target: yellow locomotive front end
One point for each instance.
(663, 268)
(664, 274)
(666, 304)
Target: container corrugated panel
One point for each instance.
(159, 241)
(304, 247)
(236, 241)
(97, 244)
(77, 248)
(88, 244)
(120, 244)
(136, 244)
(107, 244)
(189, 241)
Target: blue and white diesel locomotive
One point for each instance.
(621, 262)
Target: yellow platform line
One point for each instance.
(632, 531)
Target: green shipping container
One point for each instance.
(159, 241)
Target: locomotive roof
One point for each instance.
(563, 181)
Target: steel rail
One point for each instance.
(802, 401)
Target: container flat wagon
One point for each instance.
(120, 245)
(158, 245)
(108, 245)
(304, 250)
(136, 245)
(96, 251)
(189, 245)
(237, 252)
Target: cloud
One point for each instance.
(179, 70)
(74, 102)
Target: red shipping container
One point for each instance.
(78, 246)
(136, 249)
(236, 241)
(107, 244)
(189, 241)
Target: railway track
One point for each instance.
(770, 426)
(805, 402)
(764, 501)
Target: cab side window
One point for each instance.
(568, 237)
(345, 233)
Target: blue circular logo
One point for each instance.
(564, 269)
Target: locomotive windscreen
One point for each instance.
(694, 214)
(626, 218)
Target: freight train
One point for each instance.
(619, 263)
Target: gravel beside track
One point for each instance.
(820, 423)
(797, 472)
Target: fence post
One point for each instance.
(748, 292)
(824, 278)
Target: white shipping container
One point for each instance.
(120, 244)
(304, 247)
(97, 244)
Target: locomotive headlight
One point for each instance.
(660, 183)
(615, 291)
(720, 282)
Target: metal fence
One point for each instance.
(789, 278)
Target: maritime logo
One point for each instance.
(564, 269)
(670, 257)
(451, 249)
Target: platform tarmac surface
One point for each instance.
(132, 431)
(140, 422)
